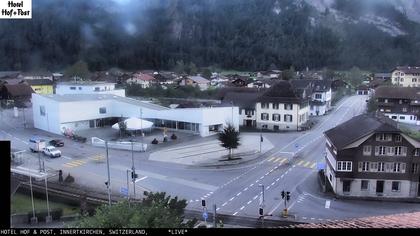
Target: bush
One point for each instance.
(155, 141)
(69, 179)
(55, 214)
(173, 137)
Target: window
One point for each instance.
(414, 80)
(42, 110)
(276, 127)
(365, 166)
(394, 117)
(402, 79)
(344, 166)
(383, 137)
(386, 100)
(402, 117)
(415, 168)
(72, 88)
(275, 106)
(397, 166)
(382, 150)
(102, 110)
(367, 150)
(364, 185)
(381, 166)
(398, 138)
(276, 117)
(288, 106)
(396, 186)
(264, 116)
(318, 96)
(288, 118)
(416, 152)
(264, 126)
(264, 105)
(397, 151)
(80, 88)
(97, 88)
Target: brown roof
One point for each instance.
(408, 69)
(398, 92)
(144, 77)
(404, 220)
(18, 90)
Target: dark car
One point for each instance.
(57, 143)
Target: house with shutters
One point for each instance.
(369, 156)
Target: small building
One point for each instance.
(197, 81)
(144, 80)
(18, 93)
(406, 76)
(382, 76)
(282, 108)
(369, 156)
(88, 87)
(363, 89)
(246, 102)
(41, 86)
(320, 93)
(36, 75)
(72, 112)
(401, 104)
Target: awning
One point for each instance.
(135, 124)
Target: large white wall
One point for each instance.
(105, 88)
(50, 122)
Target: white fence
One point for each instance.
(138, 147)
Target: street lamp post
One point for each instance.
(34, 219)
(262, 202)
(133, 169)
(48, 219)
(109, 178)
(128, 190)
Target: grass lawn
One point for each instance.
(22, 203)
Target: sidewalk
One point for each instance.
(210, 153)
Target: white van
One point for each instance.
(36, 144)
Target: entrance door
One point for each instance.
(92, 123)
(346, 186)
(249, 123)
(379, 187)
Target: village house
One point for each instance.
(406, 76)
(196, 81)
(401, 104)
(41, 86)
(19, 94)
(369, 156)
(144, 80)
(321, 94)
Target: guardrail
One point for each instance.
(136, 146)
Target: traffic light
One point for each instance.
(203, 203)
(282, 194)
(262, 139)
(106, 183)
(261, 211)
(288, 196)
(134, 175)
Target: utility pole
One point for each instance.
(261, 140)
(141, 126)
(48, 219)
(133, 169)
(262, 203)
(108, 185)
(39, 157)
(128, 190)
(24, 119)
(214, 216)
(34, 219)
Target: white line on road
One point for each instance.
(137, 180)
(268, 187)
(217, 208)
(312, 218)
(245, 189)
(277, 179)
(235, 213)
(282, 176)
(197, 200)
(256, 181)
(327, 204)
(68, 158)
(251, 185)
(304, 218)
(224, 204)
(231, 198)
(242, 208)
(262, 177)
(191, 200)
(255, 197)
(238, 194)
(249, 202)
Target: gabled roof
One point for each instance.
(199, 79)
(9, 74)
(408, 69)
(144, 77)
(358, 127)
(17, 90)
(242, 99)
(398, 92)
(282, 91)
(315, 84)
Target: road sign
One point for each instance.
(124, 191)
(296, 145)
(205, 215)
(320, 166)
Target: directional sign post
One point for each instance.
(124, 191)
(205, 216)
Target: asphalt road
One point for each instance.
(235, 189)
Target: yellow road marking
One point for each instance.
(78, 162)
(300, 163)
(307, 163)
(284, 159)
(313, 165)
(271, 159)
(278, 159)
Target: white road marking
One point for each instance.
(249, 202)
(262, 177)
(282, 176)
(238, 194)
(245, 189)
(268, 187)
(66, 157)
(251, 185)
(197, 200)
(231, 198)
(304, 218)
(257, 181)
(294, 165)
(224, 204)
(137, 180)
(255, 197)
(235, 213)
(312, 218)
(242, 208)
(277, 179)
(191, 200)
(217, 208)
(327, 204)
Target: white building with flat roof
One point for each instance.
(72, 112)
(88, 87)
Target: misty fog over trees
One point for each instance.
(234, 34)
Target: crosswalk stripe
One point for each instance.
(307, 163)
(284, 159)
(313, 165)
(70, 165)
(278, 159)
(79, 161)
(271, 159)
(300, 163)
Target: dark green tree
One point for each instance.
(156, 210)
(229, 139)
(78, 69)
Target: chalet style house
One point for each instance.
(406, 76)
(369, 156)
(401, 104)
(320, 92)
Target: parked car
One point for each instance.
(36, 144)
(51, 151)
(57, 143)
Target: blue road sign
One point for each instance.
(320, 166)
(205, 215)
(296, 145)
(124, 191)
